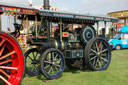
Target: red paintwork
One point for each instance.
(16, 57)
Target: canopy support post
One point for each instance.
(105, 24)
(97, 27)
(36, 26)
(15, 19)
(0, 24)
(27, 22)
(60, 27)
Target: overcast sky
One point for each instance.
(101, 7)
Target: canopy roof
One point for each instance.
(55, 15)
(64, 15)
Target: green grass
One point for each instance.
(116, 74)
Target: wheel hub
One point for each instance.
(99, 54)
(54, 63)
(34, 62)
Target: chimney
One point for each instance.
(30, 3)
(46, 5)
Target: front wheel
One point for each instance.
(97, 54)
(118, 47)
(52, 63)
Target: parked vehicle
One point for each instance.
(120, 40)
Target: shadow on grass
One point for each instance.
(77, 70)
(66, 70)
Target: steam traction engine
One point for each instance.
(75, 47)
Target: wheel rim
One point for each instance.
(100, 55)
(118, 47)
(53, 64)
(32, 61)
(11, 62)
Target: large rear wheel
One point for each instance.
(97, 54)
(11, 60)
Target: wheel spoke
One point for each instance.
(37, 56)
(99, 64)
(97, 47)
(104, 59)
(52, 53)
(46, 66)
(93, 58)
(94, 46)
(103, 55)
(102, 63)
(7, 61)
(32, 68)
(1, 51)
(101, 45)
(30, 58)
(94, 62)
(2, 71)
(92, 54)
(58, 61)
(56, 56)
(6, 67)
(9, 54)
(33, 54)
(50, 70)
(104, 51)
(35, 68)
(6, 81)
(93, 51)
(56, 68)
(2, 42)
(48, 62)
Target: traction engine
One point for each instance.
(76, 48)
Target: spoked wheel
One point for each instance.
(52, 63)
(97, 54)
(32, 59)
(11, 60)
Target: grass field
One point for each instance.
(116, 74)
